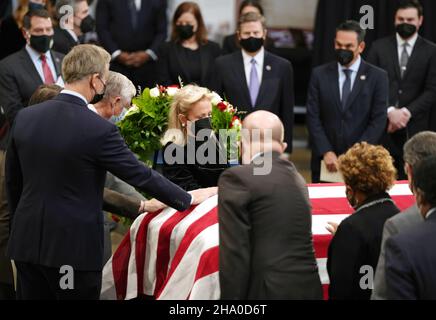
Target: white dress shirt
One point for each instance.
(259, 57)
(354, 68)
(36, 59)
(409, 48)
(430, 212)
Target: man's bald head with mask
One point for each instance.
(263, 132)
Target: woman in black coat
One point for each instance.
(353, 253)
(189, 55)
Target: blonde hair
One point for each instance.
(84, 60)
(368, 168)
(182, 103)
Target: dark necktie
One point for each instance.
(133, 13)
(404, 59)
(346, 87)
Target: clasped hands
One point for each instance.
(199, 196)
(133, 59)
(398, 119)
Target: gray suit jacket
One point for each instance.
(399, 223)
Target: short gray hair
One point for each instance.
(419, 147)
(119, 85)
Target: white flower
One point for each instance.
(237, 124)
(171, 91)
(216, 98)
(230, 108)
(133, 109)
(154, 93)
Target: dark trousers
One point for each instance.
(36, 282)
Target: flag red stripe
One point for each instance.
(341, 205)
(141, 247)
(192, 232)
(208, 264)
(120, 262)
(321, 245)
(163, 247)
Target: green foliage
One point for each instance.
(143, 127)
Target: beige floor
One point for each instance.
(300, 157)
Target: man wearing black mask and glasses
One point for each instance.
(410, 62)
(254, 79)
(346, 102)
(73, 26)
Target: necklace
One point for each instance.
(373, 203)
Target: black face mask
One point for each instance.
(251, 44)
(185, 31)
(41, 43)
(406, 30)
(98, 96)
(202, 124)
(344, 57)
(36, 6)
(87, 25)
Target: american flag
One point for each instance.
(174, 255)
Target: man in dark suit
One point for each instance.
(72, 29)
(131, 31)
(410, 62)
(254, 79)
(419, 147)
(55, 171)
(20, 75)
(266, 249)
(346, 102)
(410, 255)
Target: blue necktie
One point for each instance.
(346, 87)
(254, 83)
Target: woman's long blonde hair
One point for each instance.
(182, 103)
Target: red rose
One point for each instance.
(222, 106)
(162, 89)
(174, 86)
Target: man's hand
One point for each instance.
(398, 119)
(331, 161)
(152, 205)
(125, 58)
(139, 58)
(332, 227)
(201, 195)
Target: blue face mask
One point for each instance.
(116, 119)
(35, 6)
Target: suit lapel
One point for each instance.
(204, 60)
(413, 56)
(394, 53)
(30, 67)
(57, 63)
(266, 75)
(333, 79)
(358, 83)
(178, 49)
(239, 73)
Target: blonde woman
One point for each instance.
(189, 129)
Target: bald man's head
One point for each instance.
(262, 132)
(263, 121)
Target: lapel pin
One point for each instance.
(363, 78)
(268, 68)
